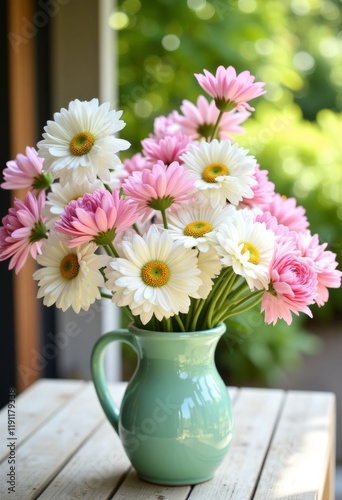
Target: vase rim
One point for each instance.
(219, 329)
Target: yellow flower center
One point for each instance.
(254, 254)
(81, 143)
(69, 266)
(155, 273)
(198, 228)
(214, 170)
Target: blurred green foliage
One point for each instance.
(295, 47)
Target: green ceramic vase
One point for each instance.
(175, 420)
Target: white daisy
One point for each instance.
(157, 276)
(60, 196)
(70, 277)
(223, 171)
(210, 265)
(80, 142)
(248, 247)
(194, 224)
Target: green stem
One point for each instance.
(114, 253)
(214, 132)
(199, 308)
(106, 295)
(250, 302)
(163, 212)
(180, 323)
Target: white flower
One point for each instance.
(223, 171)
(195, 223)
(210, 266)
(60, 196)
(80, 142)
(70, 277)
(157, 276)
(248, 247)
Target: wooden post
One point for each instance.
(23, 133)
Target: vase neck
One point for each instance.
(194, 347)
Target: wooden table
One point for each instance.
(63, 447)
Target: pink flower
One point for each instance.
(137, 162)
(25, 171)
(97, 217)
(166, 125)
(287, 213)
(23, 231)
(324, 263)
(167, 149)
(229, 89)
(263, 191)
(199, 121)
(159, 188)
(293, 285)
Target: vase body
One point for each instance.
(175, 421)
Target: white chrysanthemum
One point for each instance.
(248, 247)
(223, 171)
(157, 276)
(194, 224)
(60, 196)
(210, 265)
(80, 144)
(70, 277)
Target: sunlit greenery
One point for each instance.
(292, 45)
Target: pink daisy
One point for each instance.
(23, 230)
(96, 217)
(293, 285)
(229, 89)
(137, 162)
(159, 188)
(263, 191)
(167, 149)
(287, 213)
(26, 171)
(166, 125)
(324, 264)
(199, 121)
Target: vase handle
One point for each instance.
(110, 408)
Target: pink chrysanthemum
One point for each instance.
(26, 171)
(293, 285)
(96, 217)
(229, 89)
(324, 264)
(263, 191)
(199, 121)
(159, 188)
(167, 149)
(288, 213)
(23, 231)
(137, 162)
(166, 125)
(282, 233)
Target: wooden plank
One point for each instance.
(94, 471)
(297, 462)
(34, 406)
(96, 468)
(134, 488)
(45, 452)
(255, 416)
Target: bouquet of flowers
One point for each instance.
(182, 236)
